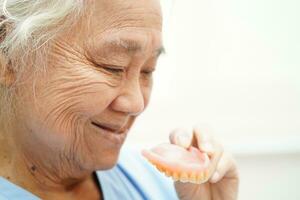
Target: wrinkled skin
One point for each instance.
(101, 72)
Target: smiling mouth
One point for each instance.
(109, 128)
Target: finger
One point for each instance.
(180, 137)
(216, 157)
(205, 139)
(209, 145)
(225, 167)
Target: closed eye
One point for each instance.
(147, 74)
(148, 71)
(113, 70)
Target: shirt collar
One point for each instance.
(14, 192)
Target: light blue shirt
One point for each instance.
(133, 178)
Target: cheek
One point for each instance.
(72, 97)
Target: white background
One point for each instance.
(234, 65)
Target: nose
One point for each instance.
(130, 100)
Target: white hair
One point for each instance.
(26, 28)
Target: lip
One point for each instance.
(113, 133)
(116, 129)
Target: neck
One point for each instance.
(5, 150)
(42, 181)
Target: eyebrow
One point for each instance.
(133, 46)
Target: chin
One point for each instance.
(104, 162)
(107, 166)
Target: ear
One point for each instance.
(7, 75)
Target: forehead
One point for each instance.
(124, 25)
(127, 13)
(128, 41)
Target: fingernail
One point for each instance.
(183, 140)
(215, 177)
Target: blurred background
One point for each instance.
(234, 65)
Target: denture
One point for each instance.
(185, 165)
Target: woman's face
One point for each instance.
(98, 79)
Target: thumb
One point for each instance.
(181, 138)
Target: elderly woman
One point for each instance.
(74, 76)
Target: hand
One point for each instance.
(222, 181)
